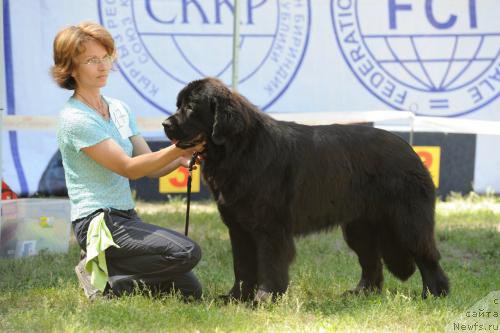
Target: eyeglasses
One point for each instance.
(106, 60)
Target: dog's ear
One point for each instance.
(228, 120)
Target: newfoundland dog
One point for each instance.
(275, 179)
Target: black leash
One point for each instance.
(191, 164)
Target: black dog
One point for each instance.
(273, 179)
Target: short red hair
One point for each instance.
(68, 45)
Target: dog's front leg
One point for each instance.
(275, 252)
(244, 262)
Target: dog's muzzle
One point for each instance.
(167, 123)
(169, 128)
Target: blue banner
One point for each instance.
(435, 58)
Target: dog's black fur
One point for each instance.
(274, 179)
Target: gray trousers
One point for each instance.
(150, 257)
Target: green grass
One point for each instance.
(41, 293)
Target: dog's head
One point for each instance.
(208, 111)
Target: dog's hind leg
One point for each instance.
(362, 237)
(434, 279)
(415, 230)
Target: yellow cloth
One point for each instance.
(98, 240)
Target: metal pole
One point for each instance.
(236, 47)
(412, 128)
(3, 102)
(413, 110)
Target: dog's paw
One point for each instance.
(234, 295)
(262, 296)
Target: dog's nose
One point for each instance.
(167, 123)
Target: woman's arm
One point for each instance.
(110, 155)
(141, 147)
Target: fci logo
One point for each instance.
(436, 57)
(164, 44)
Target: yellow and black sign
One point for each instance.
(431, 157)
(176, 181)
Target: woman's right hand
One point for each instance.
(188, 152)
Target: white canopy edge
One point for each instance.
(383, 119)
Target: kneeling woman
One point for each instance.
(101, 150)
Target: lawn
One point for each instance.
(41, 293)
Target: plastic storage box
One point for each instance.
(31, 225)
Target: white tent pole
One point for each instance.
(413, 110)
(236, 40)
(2, 99)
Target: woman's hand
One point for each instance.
(188, 154)
(184, 161)
(191, 150)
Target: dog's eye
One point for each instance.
(185, 112)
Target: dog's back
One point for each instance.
(339, 173)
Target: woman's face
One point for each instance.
(92, 66)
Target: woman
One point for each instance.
(101, 150)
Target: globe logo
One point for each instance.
(164, 44)
(438, 58)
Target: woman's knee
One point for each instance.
(187, 256)
(194, 253)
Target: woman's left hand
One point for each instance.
(184, 161)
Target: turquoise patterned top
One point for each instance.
(90, 185)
